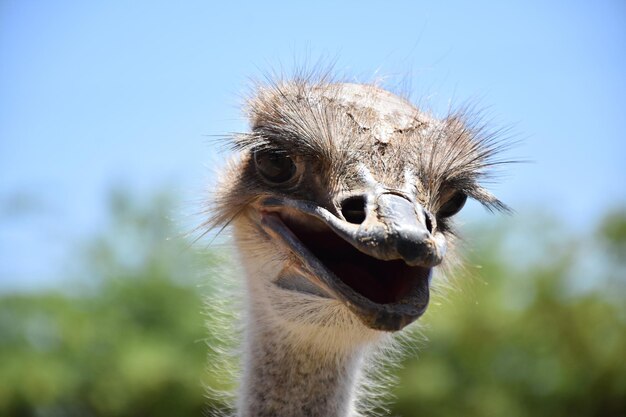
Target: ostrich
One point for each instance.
(341, 202)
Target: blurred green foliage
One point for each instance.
(535, 336)
(123, 337)
(539, 331)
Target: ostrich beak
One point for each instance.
(379, 268)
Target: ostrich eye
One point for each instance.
(274, 167)
(453, 205)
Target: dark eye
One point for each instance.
(453, 205)
(274, 167)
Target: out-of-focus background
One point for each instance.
(107, 113)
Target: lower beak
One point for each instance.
(392, 243)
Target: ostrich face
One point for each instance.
(342, 201)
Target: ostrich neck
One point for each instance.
(285, 378)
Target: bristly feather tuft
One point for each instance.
(336, 127)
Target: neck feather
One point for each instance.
(302, 356)
(289, 377)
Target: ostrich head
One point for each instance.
(341, 202)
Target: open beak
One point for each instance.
(380, 267)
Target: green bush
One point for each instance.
(539, 331)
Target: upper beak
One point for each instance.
(397, 228)
(394, 227)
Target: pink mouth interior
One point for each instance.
(382, 282)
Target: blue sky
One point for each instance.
(94, 95)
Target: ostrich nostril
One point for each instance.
(428, 221)
(353, 209)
